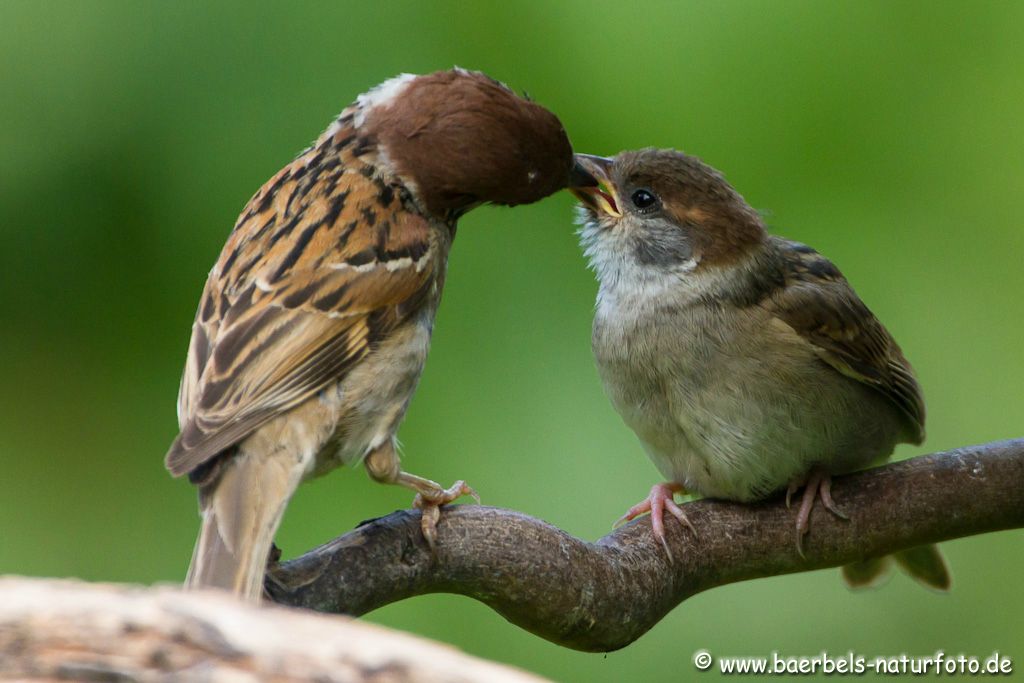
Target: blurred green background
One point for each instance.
(888, 135)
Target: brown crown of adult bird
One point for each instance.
(314, 324)
(744, 362)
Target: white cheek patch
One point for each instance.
(626, 283)
(383, 95)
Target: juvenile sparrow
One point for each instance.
(314, 324)
(744, 362)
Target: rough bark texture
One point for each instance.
(65, 630)
(602, 596)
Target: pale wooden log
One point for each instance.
(54, 630)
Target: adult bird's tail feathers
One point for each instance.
(241, 511)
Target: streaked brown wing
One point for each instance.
(314, 274)
(819, 304)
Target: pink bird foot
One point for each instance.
(817, 484)
(661, 498)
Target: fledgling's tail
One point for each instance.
(241, 510)
(924, 563)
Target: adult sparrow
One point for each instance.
(744, 362)
(314, 324)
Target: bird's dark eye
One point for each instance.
(643, 199)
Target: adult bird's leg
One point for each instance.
(661, 498)
(383, 465)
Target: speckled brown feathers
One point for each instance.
(324, 261)
(315, 322)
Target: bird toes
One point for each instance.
(430, 502)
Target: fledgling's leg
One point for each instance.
(817, 484)
(661, 498)
(383, 465)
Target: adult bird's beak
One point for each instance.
(580, 176)
(595, 188)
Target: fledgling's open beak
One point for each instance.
(595, 188)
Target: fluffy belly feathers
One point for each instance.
(717, 418)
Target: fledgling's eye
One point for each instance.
(643, 199)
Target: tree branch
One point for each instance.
(602, 596)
